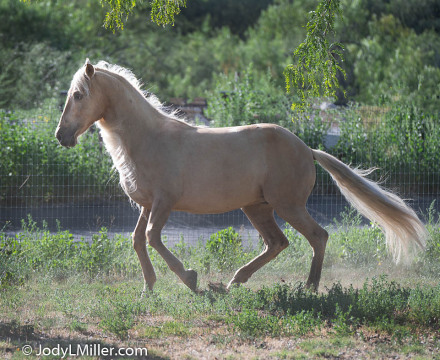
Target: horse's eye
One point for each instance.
(77, 95)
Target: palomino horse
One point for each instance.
(165, 164)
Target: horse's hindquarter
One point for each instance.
(229, 168)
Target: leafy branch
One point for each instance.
(314, 72)
(162, 11)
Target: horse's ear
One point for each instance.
(90, 70)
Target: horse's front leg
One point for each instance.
(139, 244)
(158, 216)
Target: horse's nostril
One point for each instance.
(59, 135)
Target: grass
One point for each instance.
(58, 292)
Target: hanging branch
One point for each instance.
(162, 11)
(314, 72)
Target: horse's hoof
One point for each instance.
(232, 284)
(146, 292)
(311, 287)
(218, 287)
(191, 279)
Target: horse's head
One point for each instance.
(84, 105)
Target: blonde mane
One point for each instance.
(137, 85)
(122, 162)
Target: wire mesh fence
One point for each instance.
(77, 189)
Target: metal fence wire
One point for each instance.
(77, 189)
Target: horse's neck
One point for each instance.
(128, 120)
(128, 116)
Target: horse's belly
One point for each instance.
(220, 198)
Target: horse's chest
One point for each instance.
(140, 193)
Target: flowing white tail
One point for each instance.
(403, 229)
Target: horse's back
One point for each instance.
(227, 168)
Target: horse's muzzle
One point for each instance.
(66, 141)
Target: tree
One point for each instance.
(315, 70)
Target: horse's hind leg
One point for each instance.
(140, 246)
(301, 220)
(262, 218)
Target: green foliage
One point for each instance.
(34, 161)
(356, 244)
(251, 323)
(224, 249)
(286, 310)
(32, 260)
(163, 11)
(403, 138)
(59, 254)
(391, 48)
(120, 9)
(344, 324)
(117, 310)
(238, 16)
(247, 99)
(25, 74)
(394, 64)
(317, 61)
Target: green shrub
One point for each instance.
(224, 249)
(117, 310)
(36, 169)
(402, 142)
(248, 99)
(252, 323)
(354, 243)
(35, 250)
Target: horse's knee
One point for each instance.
(153, 237)
(139, 241)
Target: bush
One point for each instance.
(224, 249)
(36, 168)
(248, 99)
(36, 250)
(402, 141)
(355, 244)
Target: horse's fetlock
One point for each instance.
(284, 244)
(151, 282)
(240, 277)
